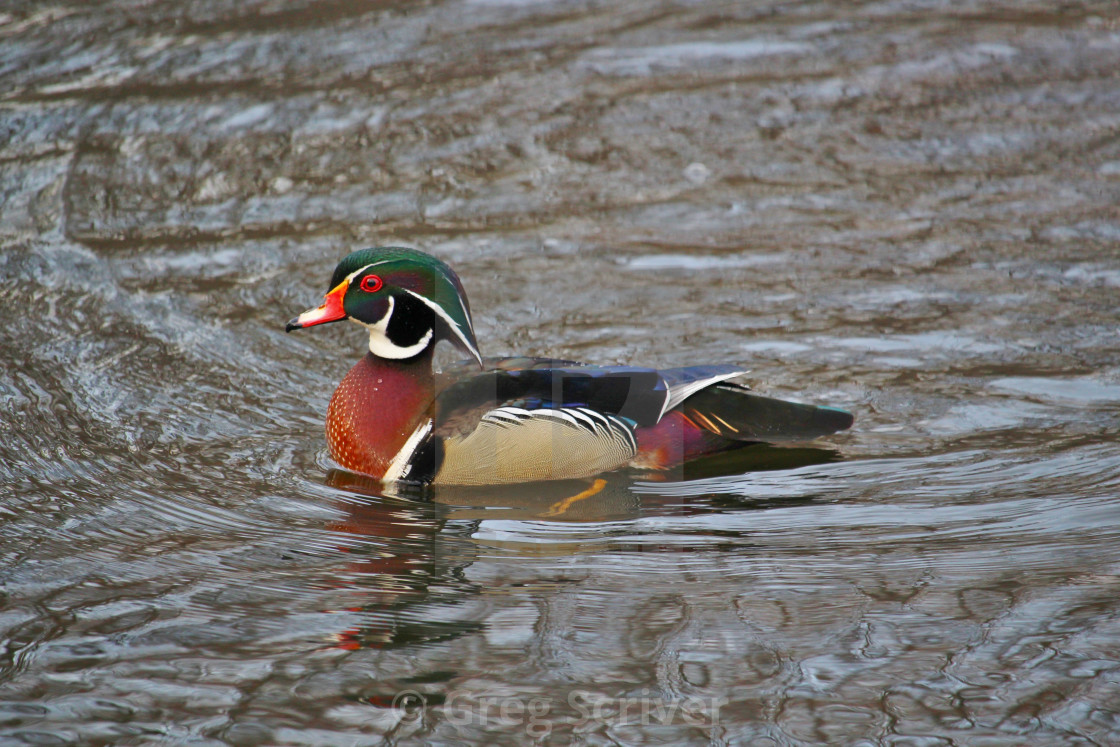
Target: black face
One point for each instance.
(367, 297)
(378, 302)
(410, 321)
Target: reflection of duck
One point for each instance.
(410, 543)
(519, 419)
(401, 550)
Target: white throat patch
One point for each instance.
(380, 344)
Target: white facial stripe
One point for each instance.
(380, 344)
(450, 322)
(356, 273)
(382, 347)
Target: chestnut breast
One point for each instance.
(376, 408)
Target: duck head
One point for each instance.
(408, 300)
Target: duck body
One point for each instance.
(506, 420)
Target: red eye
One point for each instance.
(371, 284)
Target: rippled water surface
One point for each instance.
(906, 209)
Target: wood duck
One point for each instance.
(504, 420)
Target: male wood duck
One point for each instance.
(504, 420)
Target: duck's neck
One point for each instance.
(376, 408)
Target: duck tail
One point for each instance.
(734, 412)
(726, 416)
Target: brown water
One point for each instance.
(907, 209)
